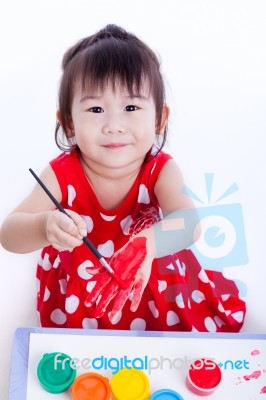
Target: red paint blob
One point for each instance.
(203, 376)
(255, 352)
(263, 390)
(254, 375)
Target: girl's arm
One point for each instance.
(35, 223)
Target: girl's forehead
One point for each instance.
(115, 87)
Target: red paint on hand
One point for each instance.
(126, 263)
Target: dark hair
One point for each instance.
(110, 56)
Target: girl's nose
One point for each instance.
(113, 125)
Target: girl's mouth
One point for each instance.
(115, 145)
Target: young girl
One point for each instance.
(125, 193)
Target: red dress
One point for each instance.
(180, 295)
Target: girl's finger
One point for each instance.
(137, 294)
(107, 296)
(79, 222)
(119, 304)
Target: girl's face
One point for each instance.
(113, 129)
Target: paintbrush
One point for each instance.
(85, 239)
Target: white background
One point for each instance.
(214, 61)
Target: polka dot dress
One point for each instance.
(180, 295)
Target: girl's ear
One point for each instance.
(70, 127)
(165, 117)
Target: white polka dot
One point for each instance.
(194, 329)
(219, 322)
(62, 284)
(212, 284)
(38, 284)
(143, 196)
(138, 324)
(126, 224)
(71, 195)
(197, 296)
(45, 262)
(203, 276)
(82, 270)
(89, 323)
(162, 285)
(153, 309)
(72, 303)
(108, 217)
(188, 304)
(90, 286)
(88, 222)
(106, 249)
(210, 324)
(220, 307)
(227, 312)
(46, 294)
(58, 317)
(181, 267)
(38, 318)
(116, 317)
(179, 301)
(172, 318)
(56, 262)
(238, 316)
(225, 297)
(170, 267)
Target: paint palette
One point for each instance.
(165, 358)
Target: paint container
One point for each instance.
(130, 384)
(91, 386)
(166, 394)
(55, 372)
(203, 376)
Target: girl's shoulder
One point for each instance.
(154, 164)
(64, 159)
(69, 173)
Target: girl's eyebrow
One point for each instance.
(137, 96)
(87, 97)
(133, 96)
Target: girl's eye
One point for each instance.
(131, 108)
(96, 109)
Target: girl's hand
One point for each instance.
(132, 267)
(65, 233)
